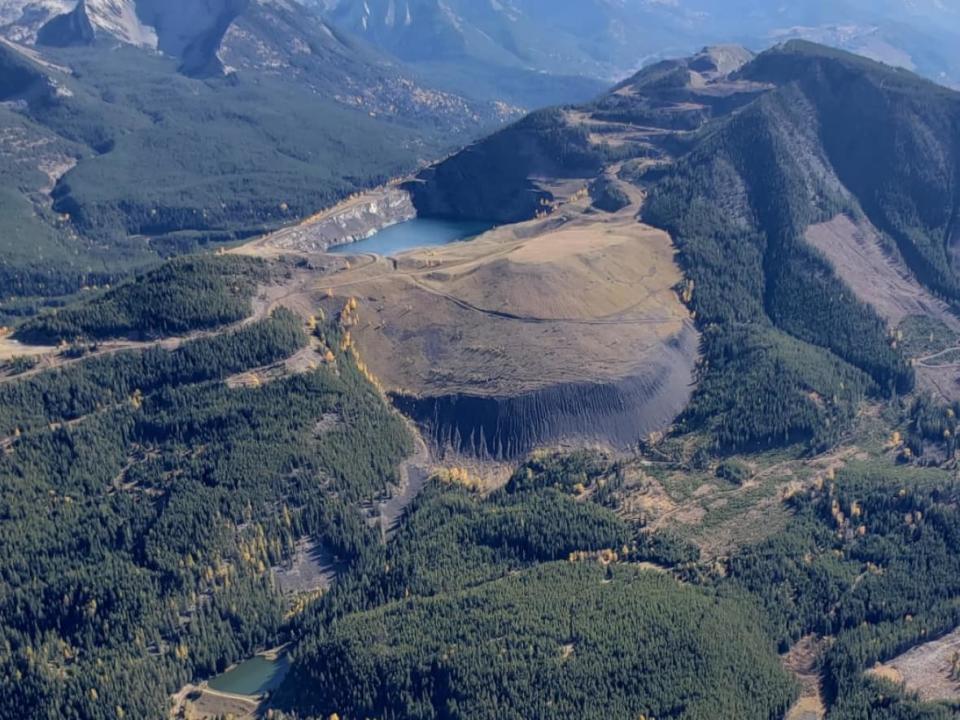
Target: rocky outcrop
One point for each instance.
(617, 413)
(71, 29)
(191, 31)
(360, 222)
(352, 220)
(188, 30)
(201, 56)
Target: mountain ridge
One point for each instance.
(736, 164)
(610, 40)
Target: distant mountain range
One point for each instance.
(525, 52)
(464, 40)
(281, 38)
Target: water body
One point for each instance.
(416, 233)
(252, 677)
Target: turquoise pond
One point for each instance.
(416, 233)
(252, 677)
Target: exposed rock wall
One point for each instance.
(69, 30)
(185, 29)
(363, 220)
(350, 221)
(192, 31)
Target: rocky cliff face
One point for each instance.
(69, 30)
(20, 20)
(188, 30)
(181, 24)
(352, 220)
(367, 218)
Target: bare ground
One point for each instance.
(719, 517)
(802, 662)
(926, 669)
(577, 308)
(877, 277)
(198, 702)
(10, 349)
(305, 360)
(566, 299)
(309, 570)
(882, 280)
(414, 473)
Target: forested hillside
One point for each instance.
(869, 561)
(470, 615)
(469, 611)
(798, 155)
(197, 293)
(909, 192)
(144, 500)
(170, 494)
(225, 158)
(540, 145)
(753, 275)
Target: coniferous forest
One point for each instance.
(144, 500)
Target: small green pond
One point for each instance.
(252, 677)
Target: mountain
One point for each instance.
(811, 196)
(489, 47)
(490, 50)
(191, 32)
(532, 53)
(264, 113)
(280, 38)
